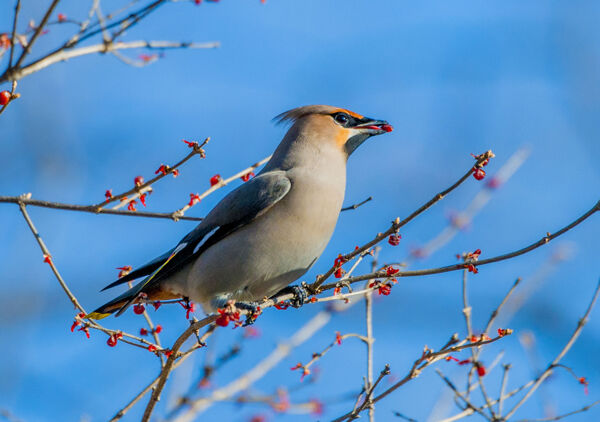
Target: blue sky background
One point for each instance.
(453, 78)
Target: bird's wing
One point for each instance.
(237, 209)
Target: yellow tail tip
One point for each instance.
(96, 315)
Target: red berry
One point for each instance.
(282, 306)
(112, 340)
(391, 270)
(152, 348)
(479, 174)
(384, 289)
(394, 239)
(472, 268)
(62, 17)
(138, 309)
(247, 176)
(480, 370)
(4, 97)
(4, 41)
(215, 179)
(339, 273)
(162, 170)
(139, 180)
(158, 329)
(194, 199)
(223, 320)
(143, 332)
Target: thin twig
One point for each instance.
(24, 199)
(543, 241)
(427, 358)
(505, 368)
(397, 224)
(168, 367)
(355, 206)
(546, 373)
(14, 33)
(367, 401)
(35, 35)
(564, 415)
(462, 396)
(142, 393)
(258, 371)
(48, 259)
(196, 150)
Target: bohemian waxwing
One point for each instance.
(269, 231)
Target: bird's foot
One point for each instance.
(300, 295)
(252, 309)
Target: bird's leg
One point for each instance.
(300, 294)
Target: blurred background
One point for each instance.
(454, 78)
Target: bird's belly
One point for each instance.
(263, 257)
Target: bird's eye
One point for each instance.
(342, 119)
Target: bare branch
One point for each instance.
(543, 241)
(355, 206)
(564, 415)
(36, 34)
(24, 199)
(397, 224)
(546, 373)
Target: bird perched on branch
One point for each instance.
(269, 231)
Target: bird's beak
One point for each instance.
(375, 127)
(366, 128)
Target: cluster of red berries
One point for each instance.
(78, 322)
(163, 169)
(189, 307)
(157, 330)
(481, 371)
(337, 263)
(470, 257)
(382, 288)
(194, 199)
(226, 316)
(305, 371)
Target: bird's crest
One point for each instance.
(299, 112)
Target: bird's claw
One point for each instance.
(300, 295)
(252, 309)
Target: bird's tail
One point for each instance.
(122, 302)
(118, 304)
